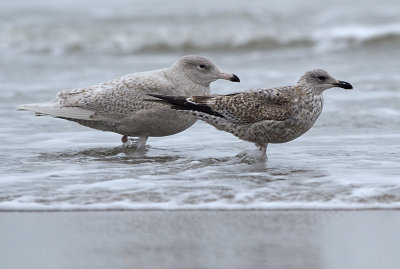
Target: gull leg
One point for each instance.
(264, 151)
(124, 139)
(141, 143)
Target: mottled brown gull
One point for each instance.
(262, 116)
(118, 105)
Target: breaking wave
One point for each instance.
(111, 40)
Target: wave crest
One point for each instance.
(64, 40)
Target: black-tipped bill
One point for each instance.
(234, 78)
(344, 85)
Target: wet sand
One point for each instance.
(201, 239)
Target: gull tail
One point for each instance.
(55, 110)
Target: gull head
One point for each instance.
(201, 70)
(319, 80)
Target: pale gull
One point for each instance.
(118, 105)
(262, 116)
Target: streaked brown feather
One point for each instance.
(249, 107)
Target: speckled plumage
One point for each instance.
(118, 105)
(262, 116)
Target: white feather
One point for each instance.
(53, 109)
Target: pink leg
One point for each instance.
(141, 143)
(264, 151)
(124, 139)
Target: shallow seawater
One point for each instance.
(349, 159)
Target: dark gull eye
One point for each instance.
(321, 77)
(202, 66)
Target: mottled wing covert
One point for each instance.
(252, 106)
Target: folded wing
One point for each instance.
(240, 108)
(111, 101)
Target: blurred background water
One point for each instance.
(349, 159)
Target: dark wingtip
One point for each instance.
(181, 103)
(235, 78)
(173, 100)
(344, 85)
(155, 95)
(158, 100)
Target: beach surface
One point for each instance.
(201, 239)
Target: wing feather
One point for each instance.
(241, 108)
(110, 101)
(254, 106)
